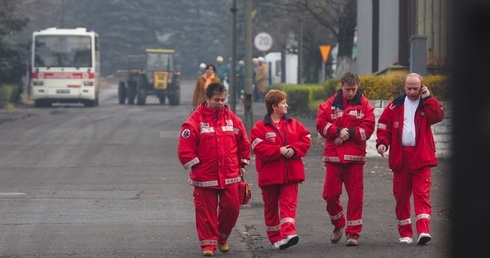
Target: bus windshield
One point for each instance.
(62, 51)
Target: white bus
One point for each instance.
(65, 67)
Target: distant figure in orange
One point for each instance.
(202, 83)
(261, 78)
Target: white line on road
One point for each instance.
(12, 194)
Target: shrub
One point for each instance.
(8, 95)
(389, 87)
(305, 99)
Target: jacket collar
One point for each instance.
(268, 120)
(337, 102)
(210, 112)
(401, 99)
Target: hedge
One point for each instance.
(8, 94)
(304, 99)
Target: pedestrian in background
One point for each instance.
(214, 145)
(221, 70)
(405, 128)
(202, 83)
(346, 120)
(240, 78)
(202, 69)
(261, 78)
(255, 64)
(279, 143)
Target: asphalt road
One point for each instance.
(106, 182)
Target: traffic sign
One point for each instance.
(263, 41)
(325, 49)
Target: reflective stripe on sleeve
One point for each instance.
(191, 163)
(382, 126)
(255, 142)
(362, 132)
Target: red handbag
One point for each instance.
(244, 192)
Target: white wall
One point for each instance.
(388, 33)
(364, 37)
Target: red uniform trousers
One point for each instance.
(351, 176)
(405, 182)
(280, 203)
(217, 212)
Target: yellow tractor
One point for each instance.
(155, 74)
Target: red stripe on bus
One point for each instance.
(61, 75)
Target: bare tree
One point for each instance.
(337, 20)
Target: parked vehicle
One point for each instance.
(155, 74)
(65, 67)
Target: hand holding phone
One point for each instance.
(424, 91)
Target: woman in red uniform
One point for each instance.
(213, 143)
(279, 143)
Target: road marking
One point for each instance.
(12, 194)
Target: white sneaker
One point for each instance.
(423, 238)
(405, 240)
(286, 242)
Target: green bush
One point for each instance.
(389, 87)
(299, 100)
(8, 94)
(305, 99)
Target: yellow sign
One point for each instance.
(325, 49)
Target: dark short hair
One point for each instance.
(350, 78)
(215, 88)
(274, 97)
(210, 65)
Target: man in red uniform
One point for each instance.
(346, 121)
(213, 143)
(405, 127)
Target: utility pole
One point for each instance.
(248, 119)
(233, 94)
(300, 52)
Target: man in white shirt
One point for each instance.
(405, 127)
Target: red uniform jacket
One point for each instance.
(390, 128)
(272, 167)
(214, 144)
(357, 116)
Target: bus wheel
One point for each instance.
(89, 103)
(38, 103)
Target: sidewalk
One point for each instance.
(14, 114)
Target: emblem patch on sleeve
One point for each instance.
(186, 133)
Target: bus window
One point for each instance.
(82, 59)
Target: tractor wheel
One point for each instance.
(174, 100)
(162, 98)
(122, 92)
(131, 93)
(141, 97)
